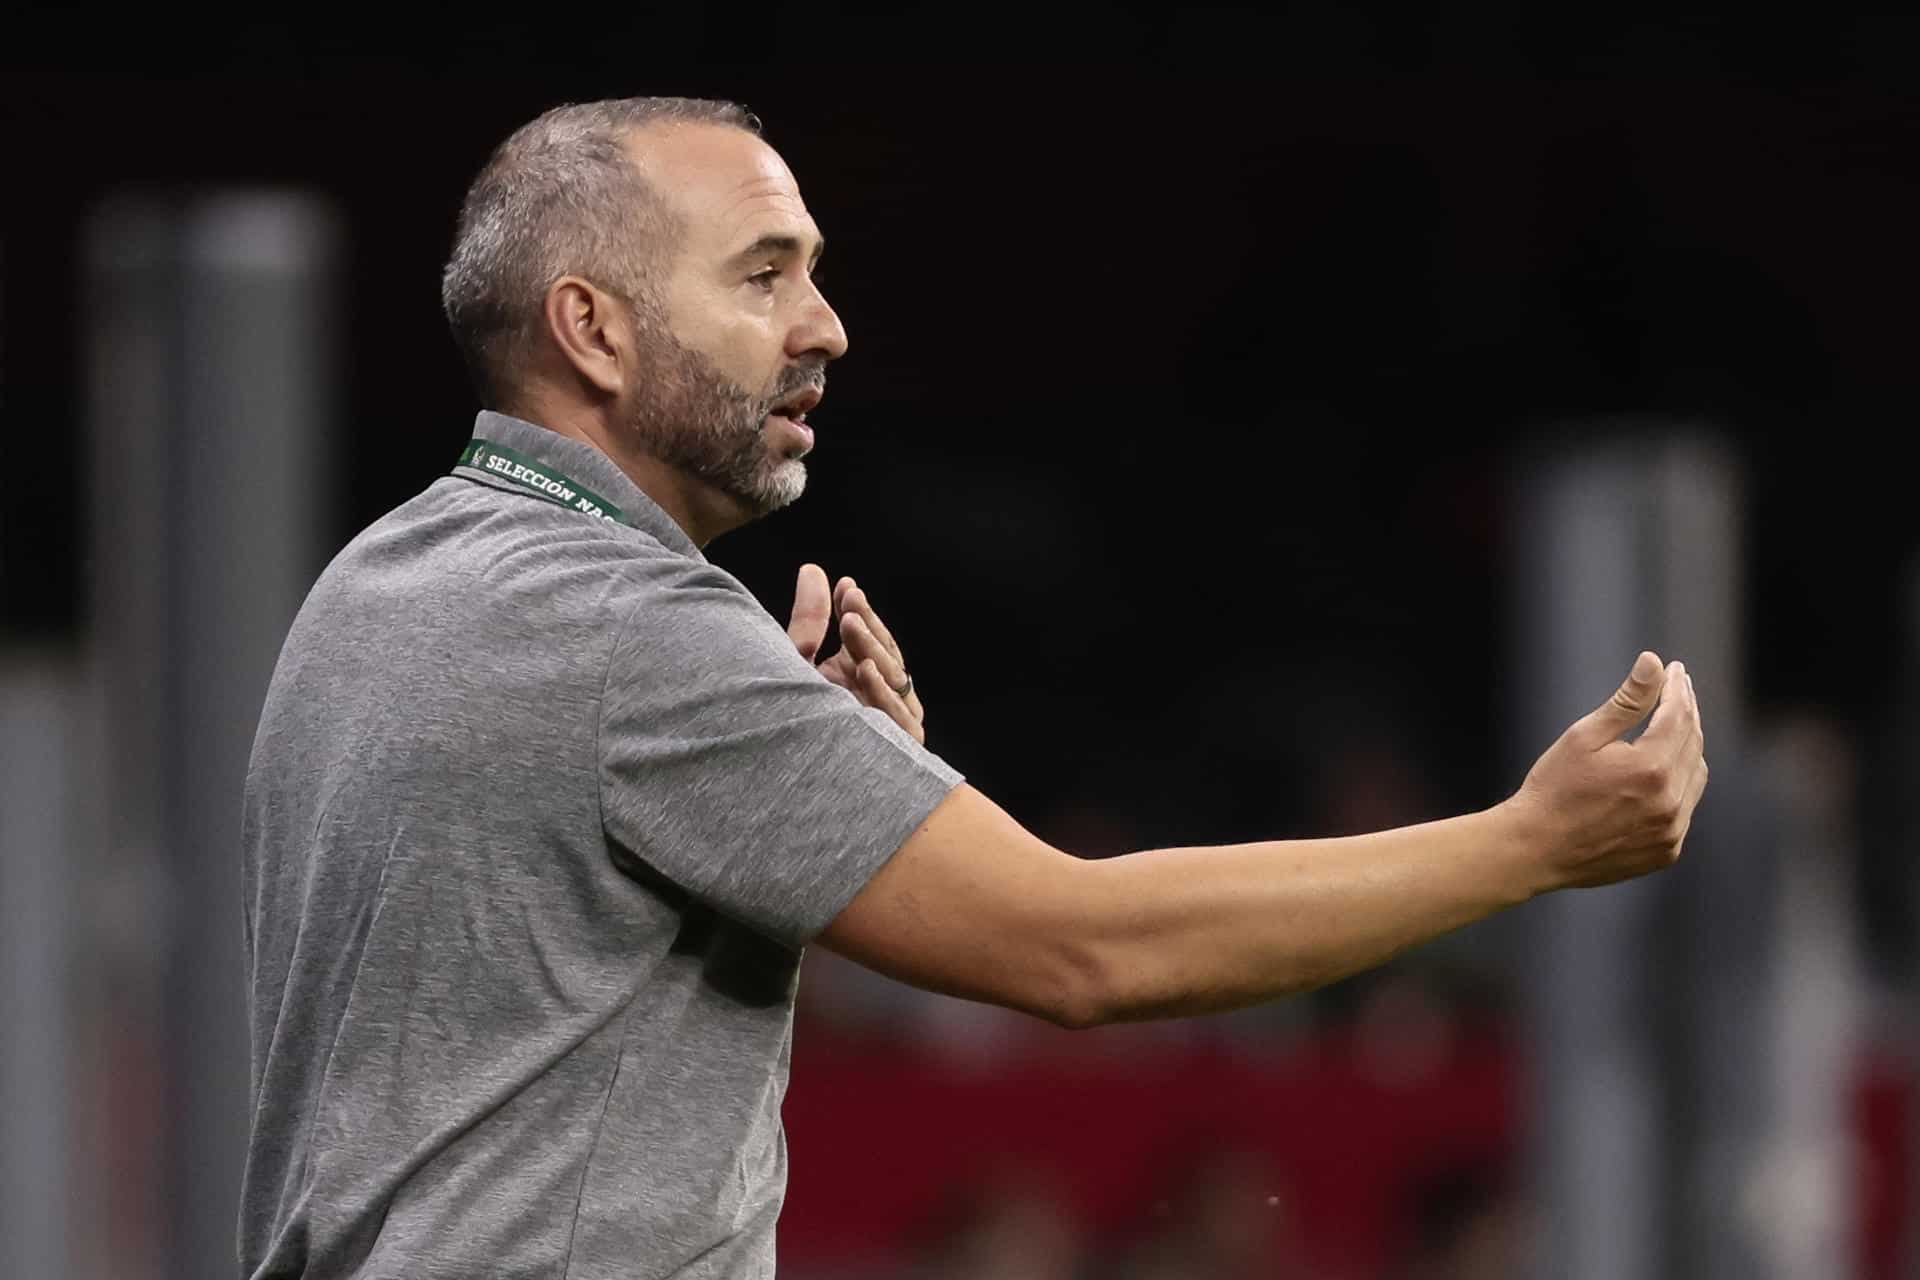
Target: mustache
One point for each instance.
(796, 377)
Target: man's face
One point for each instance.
(739, 351)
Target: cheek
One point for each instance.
(749, 353)
(739, 338)
(746, 346)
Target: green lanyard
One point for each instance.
(538, 480)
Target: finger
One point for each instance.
(1690, 741)
(1696, 787)
(812, 607)
(1671, 728)
(864, 645)
(1627, 707)
(857, 600)
(863, 608)
(877, 693)
(1699, 721)
(839, 670)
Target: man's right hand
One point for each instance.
(1602, 809)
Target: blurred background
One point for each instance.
(1258, 423)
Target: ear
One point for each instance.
(591, 328)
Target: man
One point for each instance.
(543, 807)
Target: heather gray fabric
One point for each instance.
(540, 812)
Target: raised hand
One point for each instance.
(1607, 809)
(869, 663)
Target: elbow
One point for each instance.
(1092, 971)
(1080, 992)
(1072, 1013)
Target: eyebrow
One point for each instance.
(770, 244)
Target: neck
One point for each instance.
(701, 513)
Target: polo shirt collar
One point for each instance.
(581, 462)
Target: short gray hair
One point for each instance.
(560, 196)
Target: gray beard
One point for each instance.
(699, 421)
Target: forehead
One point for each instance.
(728, 186)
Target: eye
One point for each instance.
(765, 278)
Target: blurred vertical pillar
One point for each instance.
(209, 373)
(1583, 606)
(1803, 1198)
(1643, 998)
(38, 711)
(1731, 974)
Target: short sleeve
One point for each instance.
(733, 769)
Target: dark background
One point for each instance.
(1193, 356)
(1187, 351)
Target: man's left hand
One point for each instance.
(869, 663)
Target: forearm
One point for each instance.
(975, 905)
(1171, 932)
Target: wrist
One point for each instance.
(1521, 837)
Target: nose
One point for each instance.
(817, 331)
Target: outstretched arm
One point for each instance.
(974, 905)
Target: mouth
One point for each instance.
(796, 406)
(794, 437)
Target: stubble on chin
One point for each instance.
(757, 478)
(697, 420)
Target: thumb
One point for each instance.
(812, 611)
(1630, 703)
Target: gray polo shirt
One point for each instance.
(541, 812)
